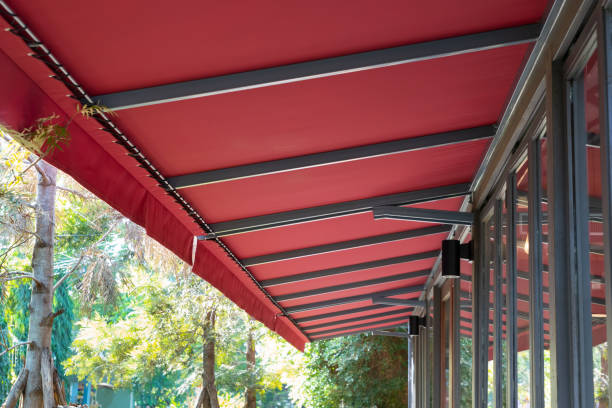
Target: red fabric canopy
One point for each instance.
(117, 46)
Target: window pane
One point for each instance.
(588, 119)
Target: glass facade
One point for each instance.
(533, 296)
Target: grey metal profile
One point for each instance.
(360, 318)
(423, 215)
(498, 304)
(340, 313)
(604, 36)
(536, 293)
(353, 285)
(353, 332)
(385, 300)
(511, 292)
(390, 334)
(348, 268)
(319, 68)
(331, 157)
(352, 299)
(337, 210)
(344, 245)
(398, 319)
(569, 350)
(437, 347)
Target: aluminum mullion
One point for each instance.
(511, 292)
(285, 218)
(456, 354)
(481, 317)
(411, 373)
(437, 346)
(605, 113)
(497, 312)
(536, 304)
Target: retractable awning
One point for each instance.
(274, 131)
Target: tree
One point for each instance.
(38, 381)
(355, 371)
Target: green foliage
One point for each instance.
(356, 371)
(5, 366)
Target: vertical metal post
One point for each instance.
(437, 350)
(417, 370)
(428, 353)
(456, 346)
(411, 374)
(511, 274)
(423, 337)
(480, 317)
(498, 304)
(571, 356)
(604, 38)
(536, 301)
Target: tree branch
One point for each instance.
(19, 275)
(74, 192)
(25, 343)
(70, 272)
(74, 268)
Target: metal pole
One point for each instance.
(511, 309)
(536, 304)
(411, 378)
(605, 115)
(498, 304)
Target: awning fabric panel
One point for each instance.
(140, 47)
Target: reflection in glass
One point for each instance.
(587, 117)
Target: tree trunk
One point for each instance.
(208, 372)
(250, 399)
(16, 390)
(41, 303)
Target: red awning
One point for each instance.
(265, 131)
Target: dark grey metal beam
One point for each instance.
(340, 246)
(352, 299)
(348, 268)
(337, 210)
(359, 318)
(390, 334)
(383, 300)
(360, 326)
(353, 285)
(423, 215)
(332, 157)
(318, 68)
(340, 313)
(391, 326)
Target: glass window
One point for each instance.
(587, 129)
